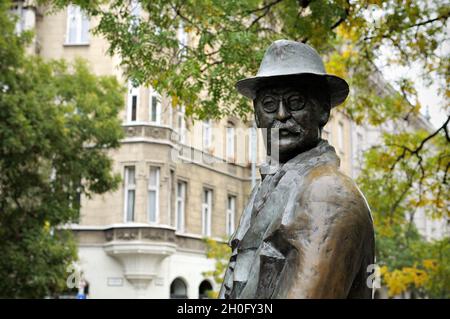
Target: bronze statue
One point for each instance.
(306, 231)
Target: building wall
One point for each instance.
(105, 275)
(338, 130)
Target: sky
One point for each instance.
(431, 102)
(428, 97)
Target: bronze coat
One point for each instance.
(306, 232)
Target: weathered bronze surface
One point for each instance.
(307, 230)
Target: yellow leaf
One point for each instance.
(174, 100)
(429, 264)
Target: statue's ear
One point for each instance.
(256, 113)
(324, 115)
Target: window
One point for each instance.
(325, 134)
(231, 208)
(18, 10)
(181, 201)
(359, 141)
(207, 134)
(77, 26)
(153, 195)
(341, 136)
(204, 289)
(252, 141)
(133, 100)
(206, 212)
(178, 289)
(230, 143)
(181, 125)
(169, 198)
(130, 193)
(155, 106)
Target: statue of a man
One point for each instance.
(306, 231)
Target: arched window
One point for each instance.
(178, 289)
(203, 289)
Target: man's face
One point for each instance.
(296, 114)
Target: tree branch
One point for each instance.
(417, 150)
(343, 18)
(208, 65)
(442, 17)
(265, 10)
(422, 23)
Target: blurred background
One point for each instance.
(127, 156)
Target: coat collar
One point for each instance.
(271, 167)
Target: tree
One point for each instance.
(228, 39)
(56, 123)
(409, 262)
(220, 252)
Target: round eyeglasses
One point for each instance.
(271, 104)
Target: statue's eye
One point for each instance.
(296, 103)
(269, 105)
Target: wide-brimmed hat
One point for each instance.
(285, 59)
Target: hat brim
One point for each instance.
(339, 88)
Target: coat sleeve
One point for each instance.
(331, 232)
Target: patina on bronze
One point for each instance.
(306, 231)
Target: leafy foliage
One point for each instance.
(425, 272)
(221, 253)
(396, 196)
(228, 39)
(57, 122)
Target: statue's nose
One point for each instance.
(282, 113)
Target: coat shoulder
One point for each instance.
(327, 184)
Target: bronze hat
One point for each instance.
(291, 59)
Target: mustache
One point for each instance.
(289, 125)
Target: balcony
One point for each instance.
(140, 250)
(137, 132)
